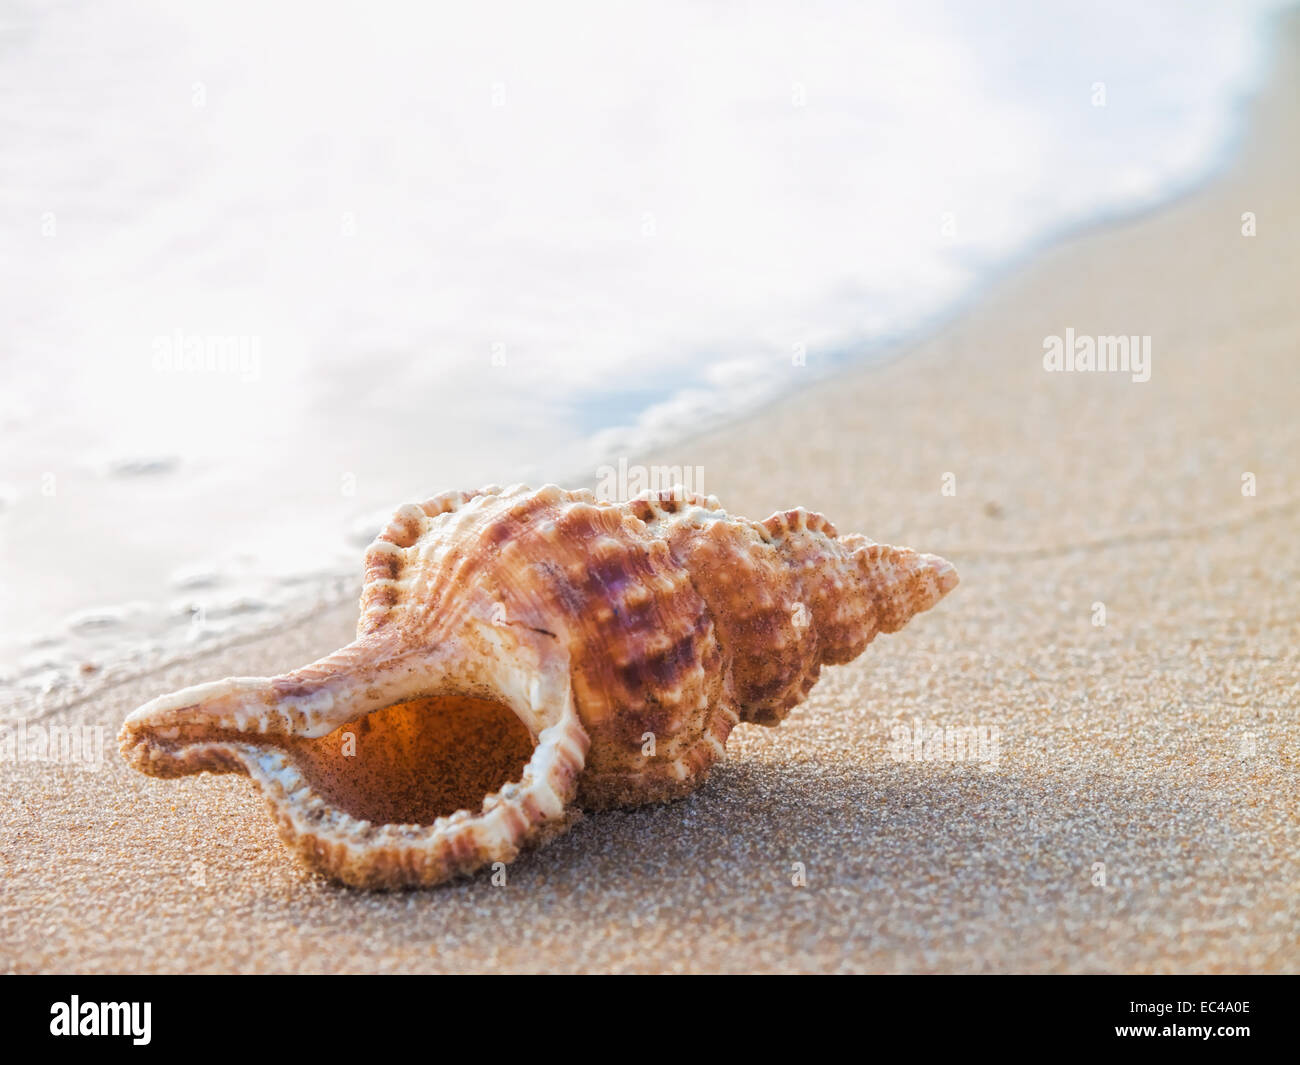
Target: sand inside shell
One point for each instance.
(419, 760)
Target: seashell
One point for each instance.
(523, 655)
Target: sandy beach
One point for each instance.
(1127, 622)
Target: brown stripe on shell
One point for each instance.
(629, 639)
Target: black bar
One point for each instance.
(299, 1014)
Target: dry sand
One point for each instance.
(1162, 744)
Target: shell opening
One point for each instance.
(417, 760)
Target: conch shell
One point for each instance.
(525, 654)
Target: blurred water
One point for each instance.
(268, 270)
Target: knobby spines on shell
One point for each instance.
(629, 639)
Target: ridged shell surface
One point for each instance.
(628, 638)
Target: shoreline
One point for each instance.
(1142, 815)
(162, 635)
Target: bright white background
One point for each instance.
(642, 211)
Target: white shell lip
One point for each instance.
(364, 854)
(233, 725)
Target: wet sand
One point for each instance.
(1143, 814)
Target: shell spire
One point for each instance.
(522, 655)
